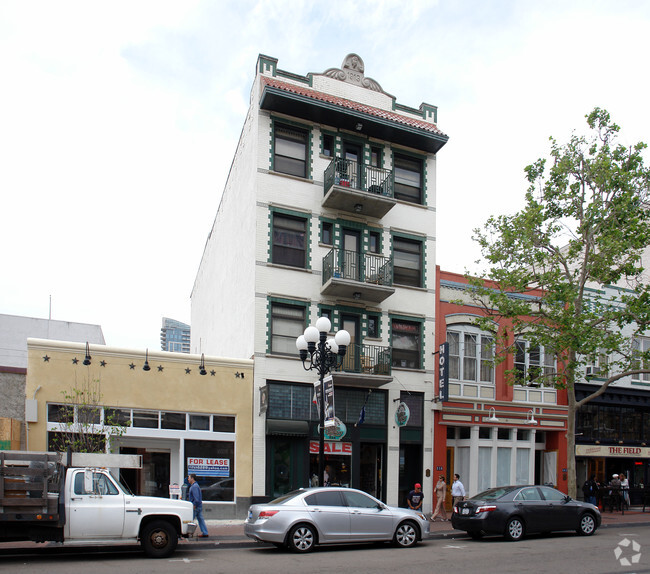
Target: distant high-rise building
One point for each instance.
(174, 336)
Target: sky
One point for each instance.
(119, 121)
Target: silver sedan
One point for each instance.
(304, 518)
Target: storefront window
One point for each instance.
(290, 401)
(349, 402)
(60, 413)
(632, 424)
(199, 422)
(173, 421)
(522, 470)
(223, 423)
(145, 419)
(217, 461)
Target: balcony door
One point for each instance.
(352, 324)
(351, 254)
(352, 154)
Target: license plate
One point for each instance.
(465, 511)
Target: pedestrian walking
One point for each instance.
(196, 498)
(415, 497)
(590, 490)
(457, 490)
(441, 496)
(625, 488)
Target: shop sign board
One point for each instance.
(343, 448)
(335, 432)
(614, 450)
(402, 414)
(443, 372)
(208, 466)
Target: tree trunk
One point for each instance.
(571, 440)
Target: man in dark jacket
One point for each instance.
(196, 498)
(590, 490)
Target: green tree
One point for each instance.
(585, 224)
(85, 424)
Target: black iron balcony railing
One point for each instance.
(363, 267)
(348, 173)
(367, 359)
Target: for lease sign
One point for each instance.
(208, 466)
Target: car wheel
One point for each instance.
(515, 529)
(587, 524)
(406, 535)
(302, 538)
(476, 535)
(159, 539)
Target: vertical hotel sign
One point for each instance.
(443, 372)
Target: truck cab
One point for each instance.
(99, 508)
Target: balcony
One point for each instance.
(365, 366)
(361, 276)
(357, 188)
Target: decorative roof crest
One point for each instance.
(352, 72)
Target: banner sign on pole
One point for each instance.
(443, 372)
(328, 388)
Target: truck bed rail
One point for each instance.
(29, 486)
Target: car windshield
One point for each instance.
(492, 494)
(287, 497)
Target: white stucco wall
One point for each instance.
(235, 278)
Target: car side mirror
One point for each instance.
(567, 498)
(381, 506)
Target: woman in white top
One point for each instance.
(625, 488)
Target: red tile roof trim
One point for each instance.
(272, 82)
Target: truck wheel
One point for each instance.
(159, 539)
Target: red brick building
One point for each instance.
(490, 431)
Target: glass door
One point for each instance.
(352, 324)
(352, 156)
(351, 254)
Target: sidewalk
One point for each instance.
(231, 532)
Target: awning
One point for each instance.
(287, 427)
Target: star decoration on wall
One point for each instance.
(46, 359)
(75, 361)
(102, 363)
(239, 375)
(132, 366)
(188, 371)
(213, 373)
(160, 368)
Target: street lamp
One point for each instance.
(321, 354)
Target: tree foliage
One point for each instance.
(84, 424)
(584, 226)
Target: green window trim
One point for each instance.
(422, 160)
(423, 256)
(275, 124)
(297, 215)
(269, 318)
(406, 318)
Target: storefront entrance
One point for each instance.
(154, 476)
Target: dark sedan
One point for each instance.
(515, 511)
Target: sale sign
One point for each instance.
(208, 466)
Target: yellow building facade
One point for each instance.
(182, 413)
